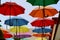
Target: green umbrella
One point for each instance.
(42, 2)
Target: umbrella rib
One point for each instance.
(35, 12)
(14, 9)
(49, 10)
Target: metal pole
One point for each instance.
(0, 2)
(56, 26)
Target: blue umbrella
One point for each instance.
(42, 30)
(16, 22)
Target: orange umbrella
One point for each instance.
(41, 35)
(48, 11)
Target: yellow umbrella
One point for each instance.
(40, 38)
(21, 29)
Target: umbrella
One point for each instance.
(16, 22)
(11, 9)
(39, 13)
(42, 2)
(41, 35)
(4, 31)
(55, 20)
(22, 36)
(6, 34)
(22, 29)
(42, 30)
(40, 38)
(42, 22)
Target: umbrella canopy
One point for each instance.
(42, 22)
(22, 29)
(42, 2)
(22, 36)
(55, 20)
(39, 13)
(40, 38)
(11, 9)
(23, 33)
(16, 22)
(6, 34)
(4, 31)
(13, 30)
(41, 35)
(42, 30)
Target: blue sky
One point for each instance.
(28, 8)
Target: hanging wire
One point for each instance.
(42, 21)
(9, 17)
(16, 27)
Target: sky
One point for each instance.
(28, 8)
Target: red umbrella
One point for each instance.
(7, 35)
(41, 23)
(55, 20)
(11, 9)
